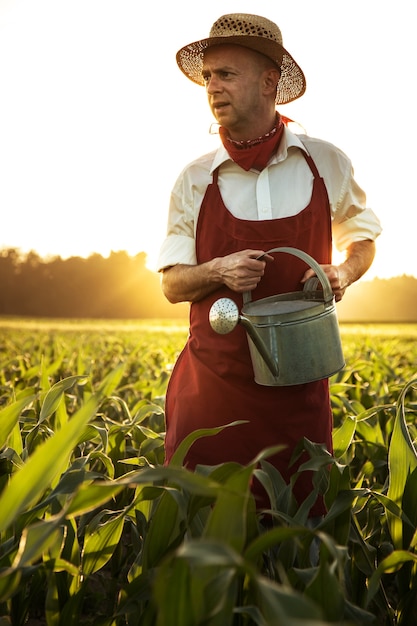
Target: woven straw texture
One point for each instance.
(254, 32)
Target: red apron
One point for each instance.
(212, 383)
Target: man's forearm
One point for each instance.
(359, 257)
(189, 283)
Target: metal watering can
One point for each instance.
(293, 337)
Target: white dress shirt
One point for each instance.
(282, 189)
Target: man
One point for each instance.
(263, 188)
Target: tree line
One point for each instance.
(122, 287)
(380, 300)
(117, 287)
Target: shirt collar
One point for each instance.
(289, 140)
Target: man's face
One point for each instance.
(233, 77)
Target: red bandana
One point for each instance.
(254, 153)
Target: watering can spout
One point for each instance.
(224, 317)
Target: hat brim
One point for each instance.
(292, 83)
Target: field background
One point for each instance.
(95, 530)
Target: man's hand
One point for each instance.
(359, 258)
(240, 271)
(338, 279)
(243, 270)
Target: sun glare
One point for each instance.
(94, 134)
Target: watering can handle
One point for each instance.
(327, 290)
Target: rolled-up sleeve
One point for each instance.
(364, 225)
(176, 249)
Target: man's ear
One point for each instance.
(271, 79)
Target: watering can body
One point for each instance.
(294, 337)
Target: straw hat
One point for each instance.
(254, 32)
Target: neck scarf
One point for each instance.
(253, 153)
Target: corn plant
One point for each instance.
(94, 529)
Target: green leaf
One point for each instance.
(193, 482)
(326, 592)
(402, 460)
(10, 415)
(342, 436)
(90, 496)
(37, 539)
(271, 538)
(179, 454)
(162, 529)
(55, 394)
(210, 553)
(61, 565)
(49, 460)
(173, 596)
(110, 382)
(410, 510)
(280, 605)
(391, 563)
(343, 502)
(101, 540)
(227, 521)
(9, 583)
(210, 568)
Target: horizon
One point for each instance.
(50, 257)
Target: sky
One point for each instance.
(97, 121)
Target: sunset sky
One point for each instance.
(96, 120)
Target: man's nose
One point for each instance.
(213, 85)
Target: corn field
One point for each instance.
(94, 529)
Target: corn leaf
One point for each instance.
(9, 583)
(101, 540)
(49, 460)
(55, 394)
(193, 482)
(162, 531)
(37, 539)
(211, 587)
(227, 521)
(9, 417)
(281, 605)
(173, 595)
(179, 454)
(325, 590)
(92, 495)
(342, 437)
(402, 460)
(391, 563)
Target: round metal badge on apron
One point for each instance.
(212, 383)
